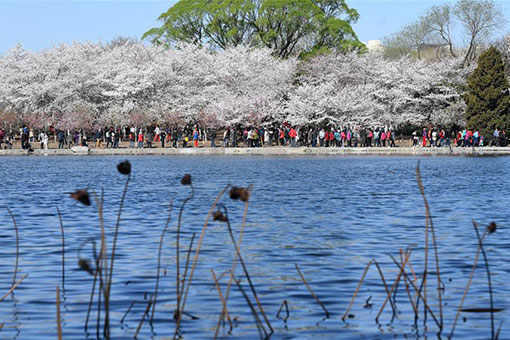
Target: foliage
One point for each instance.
(91, 85)
(487, 97)
(287, 27)
(370, 90)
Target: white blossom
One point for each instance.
(89, 85)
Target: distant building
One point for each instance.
(374, 45)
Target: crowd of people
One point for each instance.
(285, 135)
(439, 137)
(282, 135)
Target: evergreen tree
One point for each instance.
(487, 97)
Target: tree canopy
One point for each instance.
(126, 82)
(287, 27)
(487, 98)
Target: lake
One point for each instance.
(329, 215)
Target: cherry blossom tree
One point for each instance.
(84, 86)
(353, 89)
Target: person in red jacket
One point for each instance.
(140, 139)
(292, 135)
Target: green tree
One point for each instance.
(288, 27)
(487, 97)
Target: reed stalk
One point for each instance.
(98, 320)
(186, 268)
(428, 217)
(91, 300)
(146, 312)
(496, 337)
(470, 279)
(411, 300)
(17, 247)
(59, 322)
(112, 260)
(311, 291)
(487, 269)
(102, 263)
(252, 308)
(250, 283)
(165, 229)
(195, 260)
(373, 261)
(287, 313)
(426, 261)
(177, 249)
(420, 296)
(127, 312)
(393, 288)
(238, 246)
(63, 249)
(13, 287)
(216, 283)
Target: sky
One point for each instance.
(42, 24)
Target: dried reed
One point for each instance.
(186, 180)
(98, 319)
(411, 300)
(252, 287)
(222, 300)
(63, 249)
(59, 322)
(92, 292)
(127, 312)
(146, 312)
(252, 308)
(125, 169)
(17, 247)
(186, 267)
(429, 223)
(311, 291)
(287, 313)
(91, 299)
(244, 195)
(495, 338)
(393, 289)
(165, 229)
(13, 287)
(487, 269)
(417, 290)
(102, 267)
(470, 279)
(373, 261)
(195, 260)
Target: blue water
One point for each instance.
(329, 215)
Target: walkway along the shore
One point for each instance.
(270, 151)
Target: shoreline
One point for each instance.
(268, 151)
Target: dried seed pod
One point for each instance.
(234, 193)
(81, 196)
(84, 264)
(244, 195)
(239, 193)
(124, 168)
(218, 216)
(492, 227)
(186, 179)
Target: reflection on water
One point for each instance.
(329, 215)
